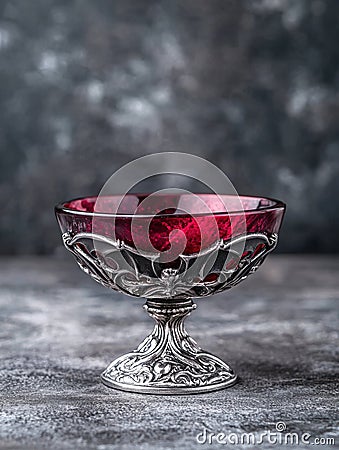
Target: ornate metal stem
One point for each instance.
(168, 361)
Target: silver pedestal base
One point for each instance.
(168, 361)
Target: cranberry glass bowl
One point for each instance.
(163, 253)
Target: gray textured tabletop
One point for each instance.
(59, 330)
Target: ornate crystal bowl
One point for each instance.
(153, 250)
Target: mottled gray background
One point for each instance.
(86, 86)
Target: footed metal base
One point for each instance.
(168, 361)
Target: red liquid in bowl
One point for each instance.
(162, 222)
